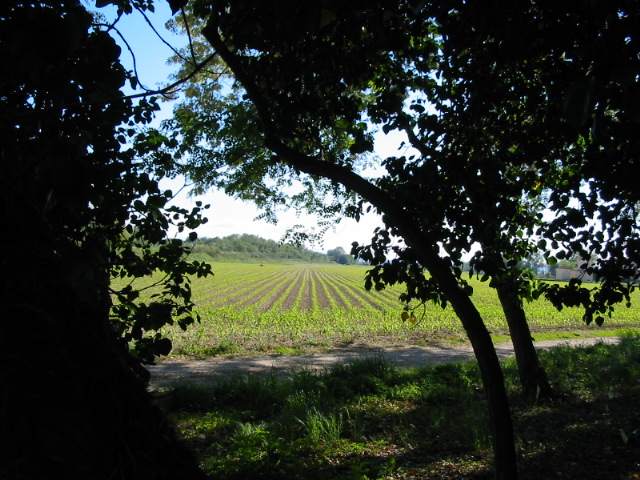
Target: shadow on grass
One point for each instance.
(581, 439)
(370, 420)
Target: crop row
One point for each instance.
(275, 287)
(277, 306)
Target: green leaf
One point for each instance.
(104, 3)
(163, 346)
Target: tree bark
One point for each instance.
(533, 378)
(493, 381)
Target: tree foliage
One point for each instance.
(68, 125)
(501, 107)
(506, 110)
(84, 207)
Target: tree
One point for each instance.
(596, 200)
(205, 169)
(74, 403)
(307, 121)
(491, 108)
(338, 255)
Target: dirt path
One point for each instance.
(177, 371)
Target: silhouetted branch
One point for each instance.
(133, 55)
(169, 89)
(173, 49)
(186, 27)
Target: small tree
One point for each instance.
(338, 255)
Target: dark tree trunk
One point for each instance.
(491, 372)
(533, 378)
(70, 406)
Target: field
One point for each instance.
(288, 308)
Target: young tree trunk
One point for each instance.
(533, 378)
(491, 372)
(71, 407)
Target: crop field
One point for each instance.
(286, 308)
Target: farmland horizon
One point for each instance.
(294, 307)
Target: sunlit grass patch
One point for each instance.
(372, 420)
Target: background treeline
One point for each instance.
(247, 247)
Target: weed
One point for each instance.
(322, 429)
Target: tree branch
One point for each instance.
(169, 89)
(173, 49)
(298, 160)
(403, 122)
(380, 199)
(188, 30)
(133, 55)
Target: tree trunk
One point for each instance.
(533, 378)
(70, 405)
(492, 377)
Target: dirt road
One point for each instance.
(177, 371)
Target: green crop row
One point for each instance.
(249, 308)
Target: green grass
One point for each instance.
(243, 311)
(572, 334)
(369, 420)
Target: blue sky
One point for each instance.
(226, 215)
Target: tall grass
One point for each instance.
(370, 420)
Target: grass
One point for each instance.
(369, 420)
(572, 334)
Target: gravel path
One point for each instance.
(177, 371)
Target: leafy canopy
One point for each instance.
(76, 176)
(496, 112)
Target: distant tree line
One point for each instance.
(252, 247)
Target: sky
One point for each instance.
(227, 215)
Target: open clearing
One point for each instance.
(294, 308)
